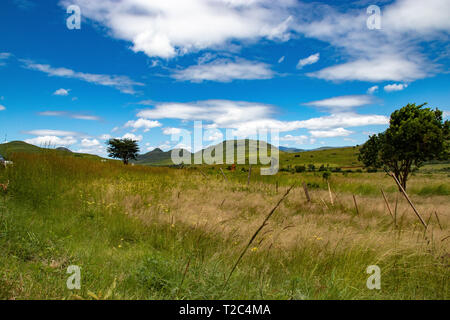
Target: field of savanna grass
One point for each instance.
(142, 232)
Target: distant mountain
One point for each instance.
(63, 149)
(291, 150)
(157, 157)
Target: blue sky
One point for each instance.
(318, 72)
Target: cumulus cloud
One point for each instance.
(395, 87)
(342, 103)
(309, 60)
(132, 136)
(142, 124)
(390, 54)
(164, 29)
(52, 141)
(372, 90)
(374, 70)
(88, 143)
(302, 139)
(61, 92)
(170, 131)
(2, 108)
(224, 70)
(337, 132)
(121, 83)
(246, 118)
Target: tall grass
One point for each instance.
(133, 230)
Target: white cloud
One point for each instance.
(281, 59)
(89, 143)
(246, 118)
(70, 115)
(296, 139)
(164, 147)
(3, 57)
(132, 137)
(52, 141)
(337, 132)
(374, 70)
(372, 90)
(418, 16)
(224, 70)
(342, 103)
(347, 119)
(49, 132)
(61, 92)
(142, 124)
(165, 29)
(309, 60)
(446, 114)
(394, 53)
(395, 87)
(170, 131)
(2, 108)
(213, 135)
(121, 83)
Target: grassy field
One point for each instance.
(142, 232)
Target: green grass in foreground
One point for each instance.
(55, 215)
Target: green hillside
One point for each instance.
(334, 157)
(156, 157)
(7, 149)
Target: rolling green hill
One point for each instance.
(156, 157)
(334, 157)
(7, 149)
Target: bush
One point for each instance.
(300, 168)
(326, 175)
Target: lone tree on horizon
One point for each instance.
(125, 149)
(415, 135)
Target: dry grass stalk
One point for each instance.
(305, 188)
(356, 205)
(437, 218)
(223, 173)
(329, 192)
(200, 170)
(409, 200)
(256, 233)
(387, 204)
(249, 174)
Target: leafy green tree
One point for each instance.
(125, 149)
(415, 135)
